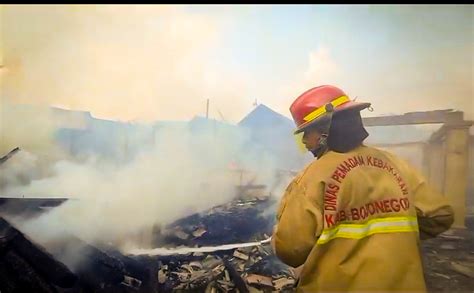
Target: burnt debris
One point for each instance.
(236, 222)
(72, 265)
(27, 267)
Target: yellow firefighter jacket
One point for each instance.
(353, 220)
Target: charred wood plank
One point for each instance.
(235, 277)
(144, 269)
(7, 282)
(9, 155)
(17, 205)
(36, 256)
(19, 276)
(96, 270)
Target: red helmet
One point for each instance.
(311, 106)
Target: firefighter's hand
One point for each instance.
(296, 271)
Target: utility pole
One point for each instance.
(207, 109)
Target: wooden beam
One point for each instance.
(400, 144)
(429, 117)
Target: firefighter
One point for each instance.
(353, 218)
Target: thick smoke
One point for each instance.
(182, 172)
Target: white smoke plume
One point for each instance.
(186, 171)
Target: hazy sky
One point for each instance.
(162, 62)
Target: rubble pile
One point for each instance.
(242, 270)
(102, 270)
(27, 267)
(105, 269)
(235, 222)
(449, 261)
